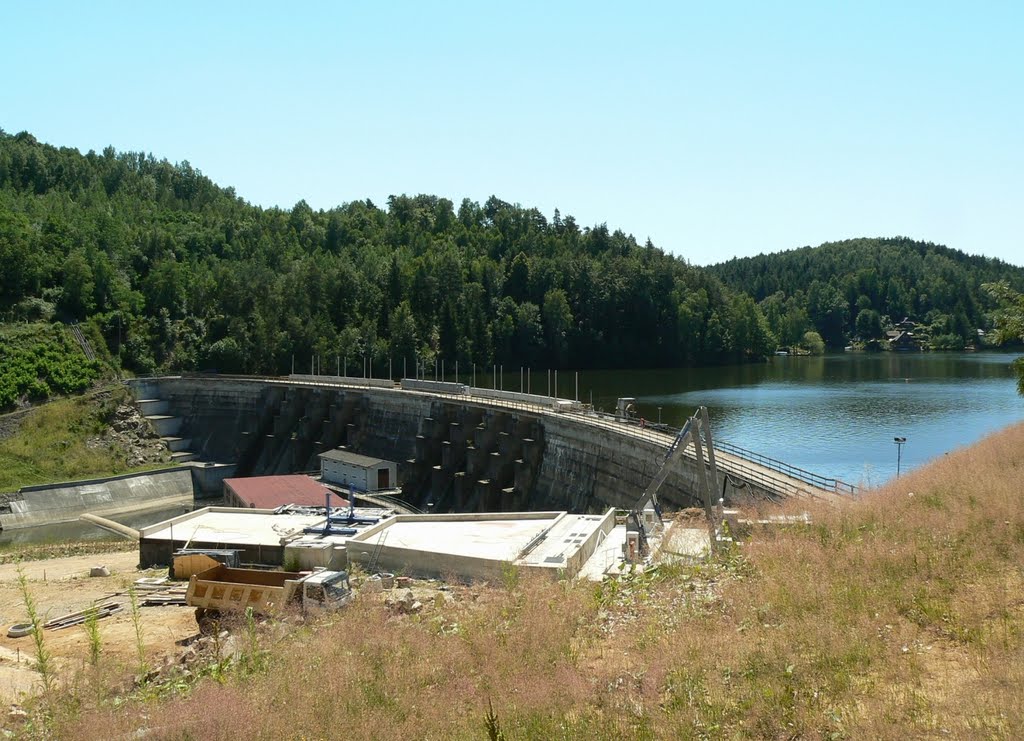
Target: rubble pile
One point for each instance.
(132, 433)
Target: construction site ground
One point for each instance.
(62, 585)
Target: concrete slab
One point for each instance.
(481, 546)
(564, 539)
(231, 526)
(259, 534)
(499, 540)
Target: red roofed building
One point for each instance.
(271, 492)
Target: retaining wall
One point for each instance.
(64, 502)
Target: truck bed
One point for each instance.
(223, 588)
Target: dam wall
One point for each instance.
(455, 453)
(586, 468)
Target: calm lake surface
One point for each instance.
(835, 415)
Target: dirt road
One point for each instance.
(63, 585)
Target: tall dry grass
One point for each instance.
(898, 615)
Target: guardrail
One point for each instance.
(344, 380)
(438, 387)
(821, 482)
(664, 435)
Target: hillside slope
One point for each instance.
(39, 360)
(97, 434)
(899, 615)
(859, 286)
(178, 273)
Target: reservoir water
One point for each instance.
(835, 415)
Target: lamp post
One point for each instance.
(659, 415)
(900, 441)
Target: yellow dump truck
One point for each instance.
(223, 589)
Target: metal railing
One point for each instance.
(733, 464)
(821, 482)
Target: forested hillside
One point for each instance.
(172, 272)
(860, 287)
(178, 273)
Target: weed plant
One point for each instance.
(92, 632)
(44, 660)
(140, 643)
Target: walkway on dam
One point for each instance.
(735, 466)
(742, 466)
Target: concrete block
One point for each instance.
(165, 425)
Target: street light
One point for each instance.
(659, 415)
(900, 441)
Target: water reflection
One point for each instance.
(836, 414)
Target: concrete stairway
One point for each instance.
(167, 426)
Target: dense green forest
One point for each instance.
(168, 271)
(860, 287)
(178, 273)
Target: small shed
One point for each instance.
(271, 492)
(361, 472)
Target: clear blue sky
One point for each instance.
(715, 129)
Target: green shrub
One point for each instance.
(39, 361)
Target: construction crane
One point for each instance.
(690, 433)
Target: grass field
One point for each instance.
(900, 615)
(51, 441)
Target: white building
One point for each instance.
(362, 473)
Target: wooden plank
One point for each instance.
(77, 618)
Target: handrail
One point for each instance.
(822, 482)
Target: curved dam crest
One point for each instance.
(455, 453)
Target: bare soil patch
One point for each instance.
(63, 585)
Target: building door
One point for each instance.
(383, 481)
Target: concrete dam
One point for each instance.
(458, 449)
